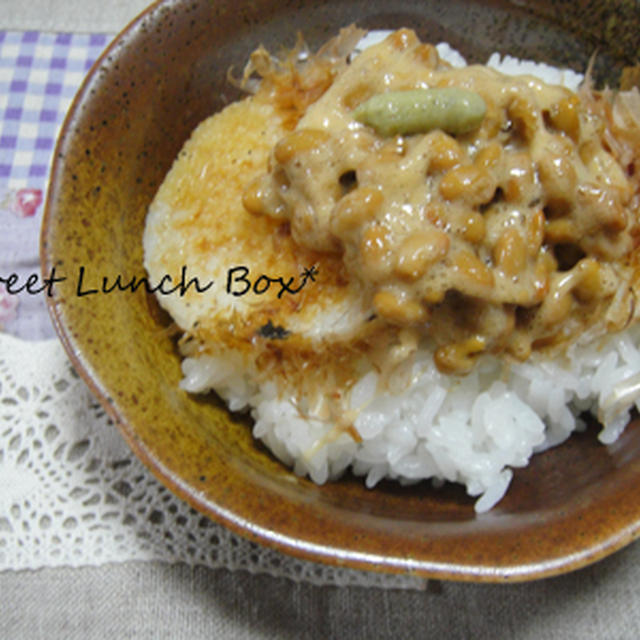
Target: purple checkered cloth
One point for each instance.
(39, 75)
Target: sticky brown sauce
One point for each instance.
(513, 238)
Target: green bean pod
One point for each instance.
(454, 110)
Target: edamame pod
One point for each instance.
(451, 109)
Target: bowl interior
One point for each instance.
(161, 77)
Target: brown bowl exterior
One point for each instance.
(163, 75)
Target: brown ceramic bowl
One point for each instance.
(160, 77)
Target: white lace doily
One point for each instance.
(72, 493)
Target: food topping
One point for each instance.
(451, 109)
(493, 213)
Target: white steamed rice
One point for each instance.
(471, 430)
